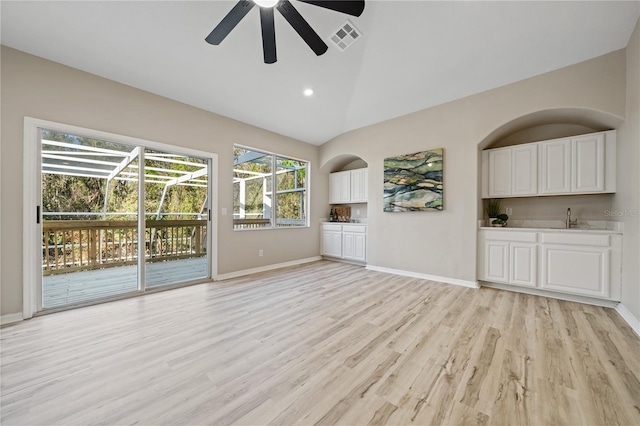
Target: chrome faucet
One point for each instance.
(569, 223)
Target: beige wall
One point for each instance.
(42, 89)
(627, 198)
(443, 243)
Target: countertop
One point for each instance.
(584, 226)
(574, 230)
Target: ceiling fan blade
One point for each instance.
(302, 27)
(268, 35)
(230, 21)
(354, 8)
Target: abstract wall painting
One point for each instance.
(413, 182)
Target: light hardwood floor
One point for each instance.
(323, 343)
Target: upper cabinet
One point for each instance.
(348, 187)
(512, 171)
(555, 167)
(340, 187)
(578, 165)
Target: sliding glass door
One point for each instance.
(119, 219)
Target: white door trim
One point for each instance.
(32, 278)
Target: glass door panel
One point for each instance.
(176, 212)
(89, 228)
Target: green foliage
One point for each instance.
(255, 169)
(65, 193)
(494, 206)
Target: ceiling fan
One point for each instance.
(287, 10)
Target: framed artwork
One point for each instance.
(413, 182)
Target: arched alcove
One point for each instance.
(558, 120)
(343, 162)
(546, 125)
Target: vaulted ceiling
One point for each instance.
(413, 54)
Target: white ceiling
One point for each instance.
(414, 54)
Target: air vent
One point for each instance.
(345, 36)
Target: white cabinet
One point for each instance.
(496, 261)
(569, 262)
(354, 242)
(587, 163)
(348, 187)
(512, 171)
(340, 187)
(583, 164)
(347, 241)
(555, 167)
(359, 182)
(332, 240)
(500, 172)
(580, 264)
(508, 257)
(522, 264)
(524, 170)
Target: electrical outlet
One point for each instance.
(224, 211)
(357, 212)
(260, 252)
(508, 211)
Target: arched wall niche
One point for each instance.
(343, 162)
(545, 125)
(549, 124)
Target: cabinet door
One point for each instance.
(524, 170)
(572, 269)
(587, 163)
(359, 186)
(555, 167)
(522, 264)
(340, 187)
(332, 243)
(500, 172)
(496, 261)
(348, 245)
(360, 247)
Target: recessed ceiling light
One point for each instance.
(308, 92)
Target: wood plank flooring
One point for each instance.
(324, 343)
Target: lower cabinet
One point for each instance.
(332, 240)
(572, 262)
(577, 264)
(345, 241)
(510, 258)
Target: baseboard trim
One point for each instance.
(243, 272)
(537, 292)
(626, 315)
(446, 280)
(11, 318)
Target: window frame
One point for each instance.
(273, 182)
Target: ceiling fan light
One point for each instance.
(266, 3)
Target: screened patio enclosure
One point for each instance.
(107, 207)
(269, 191)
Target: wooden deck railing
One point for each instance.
(77, 245)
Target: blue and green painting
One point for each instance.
(413, 182)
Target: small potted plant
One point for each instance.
(493, 211)
(500, 220)
(493, 208)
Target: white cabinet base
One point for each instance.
(584, 264)
(575, 269)
(345, 241)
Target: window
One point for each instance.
(255, 204)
